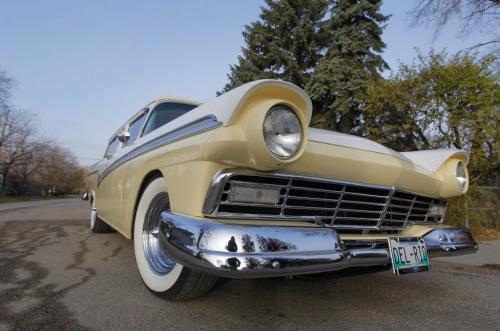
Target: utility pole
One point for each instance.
(466, 212)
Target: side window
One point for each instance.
(112, 148)
(164, 113)
(134, 128)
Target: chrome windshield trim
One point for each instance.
(195, 127)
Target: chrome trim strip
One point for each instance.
(200, 125)
(91, 173)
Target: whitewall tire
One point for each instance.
(159, 272)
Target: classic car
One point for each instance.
(242, 187)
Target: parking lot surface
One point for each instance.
(55, 274)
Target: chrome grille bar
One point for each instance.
(339, 204)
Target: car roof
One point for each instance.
(173, 99)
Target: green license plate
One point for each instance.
(408, 254)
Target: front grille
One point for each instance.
(339, 204)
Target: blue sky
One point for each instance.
(83, 67)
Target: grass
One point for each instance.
(485, 234)
(491, 266)
(18, 198)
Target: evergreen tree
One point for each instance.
(286, 43)
(328, 47)
(338, 85)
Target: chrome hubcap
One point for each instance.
(158, 261)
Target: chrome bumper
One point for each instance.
(450, 242)
(244, 251)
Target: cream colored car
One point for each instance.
(242, 187)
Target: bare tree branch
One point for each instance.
(475, 15)
(5, 87)
(483, 44)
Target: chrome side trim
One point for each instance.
(200, 125)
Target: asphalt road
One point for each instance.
(55, 274)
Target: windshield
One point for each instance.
(164, 113)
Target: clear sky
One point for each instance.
(84, 67)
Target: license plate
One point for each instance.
(408, 255)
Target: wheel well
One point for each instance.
(145, 182)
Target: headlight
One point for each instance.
(282, 132)
(461, 176)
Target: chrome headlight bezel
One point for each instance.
(461, 176)
(275, 136)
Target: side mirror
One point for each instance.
(123, 136)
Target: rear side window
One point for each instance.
(112, 148)
(134, 129)
(164, 113)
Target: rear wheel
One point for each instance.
(96, 224)
(160, 273)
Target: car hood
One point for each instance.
(347, 140)
(429, 160)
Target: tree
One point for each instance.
(24, 177)
(5, 86)
(60, 172)
(286, 43)
(440, 101)
(475, 15)
(27, 161)
(16, 142)
(15, 133)
(328, 47)
(338, 85)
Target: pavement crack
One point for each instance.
(26, 303)
(79, 255)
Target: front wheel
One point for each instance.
(160, 273)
